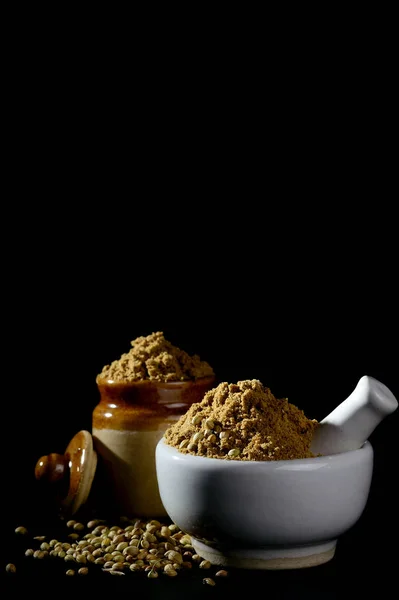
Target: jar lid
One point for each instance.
(76, 468)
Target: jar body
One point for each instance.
(128, 423)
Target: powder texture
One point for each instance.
(243, 421)
(153, 357)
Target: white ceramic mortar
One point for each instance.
(277, 514)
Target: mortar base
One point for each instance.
(268, 558)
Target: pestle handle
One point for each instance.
(349, 425)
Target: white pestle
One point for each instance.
(349, 425)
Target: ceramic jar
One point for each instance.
(128, 422)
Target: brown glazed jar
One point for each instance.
(128, 422)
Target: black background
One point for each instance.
(263, 238)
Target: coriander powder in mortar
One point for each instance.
(243, 421)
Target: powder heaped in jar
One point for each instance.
(243, 421)
(154, 358)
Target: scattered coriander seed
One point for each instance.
(106, 542)
(118, 539)
(73, 536)
(176, 557)
(170, 572)
(208, 581)
(69, 558)
(83, 571)
(40, 538)
(196, 420)
(80, 558)
(209, 424)
(212, 438)
(196, 558)
(96, 540)
(100, 529)
(118, 557)
(21, 531)
(197, 437)
(78, 527)
(170, 545)
(130, 551)
(70, 572)
(165, 531)
(185, 539)
(153, 523)
(70, 523)
(11, 568)
(124, 545)
(205, 564)
(234, 452)
(152, 574)
(192, 447)
(29, 552)
(221, 573)
(44, 546)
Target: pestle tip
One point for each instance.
(383, 398)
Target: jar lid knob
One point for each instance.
(52, 468)
(75, 468)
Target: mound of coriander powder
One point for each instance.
(243, 421)
(155, 358)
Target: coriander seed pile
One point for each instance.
(150, 548)
(243, 421)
